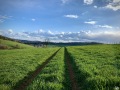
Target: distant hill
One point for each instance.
(75, 43)
(8, 43)
(39, 43)
(6, 38)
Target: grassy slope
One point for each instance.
(7, 44)
(19, 62)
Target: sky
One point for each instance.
(61, 20)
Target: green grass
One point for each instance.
(17, 64)
(7, 44)
(97, 67)
(52, 76)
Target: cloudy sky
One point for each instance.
(61, 20)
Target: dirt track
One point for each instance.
(25, 82)
(31, 77)
(71, 72)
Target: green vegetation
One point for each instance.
(6, 38)
(97, 67)
(7, 44)
(52, 76)
(17, 64)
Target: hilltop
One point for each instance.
(8, 43)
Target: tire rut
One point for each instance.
(71, 72)
(30, 78)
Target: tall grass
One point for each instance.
(52, 76)
(17, 64)
(97, 67)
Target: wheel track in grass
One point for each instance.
(26, 81)
(71, 72)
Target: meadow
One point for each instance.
(17, 64)
(8, 44)
(92, 67)
(52, 77)
(97, 67)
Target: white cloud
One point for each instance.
(91, 22)
(33, 19)
(88, 1)
(10, 31)
(115, 5)
(1, 32)
(95, 6)
(84, 12)
(41, 31)
(50, 32)
(4, 17)
(106, 36)
(64, 1)
(62, 33)
(71, 16)
(105, 26)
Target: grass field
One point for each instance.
(52, 76)
(92, 67)
(97, 67)
(17, 64)
(7, 44)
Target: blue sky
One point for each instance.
(61, 20)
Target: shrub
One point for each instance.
(3, 46)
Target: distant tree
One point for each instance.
(46, 42)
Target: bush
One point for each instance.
(3, 46)
(16, 46)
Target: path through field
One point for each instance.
(31, 77)
(26, 82)
(71, 72)
(70, 68)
